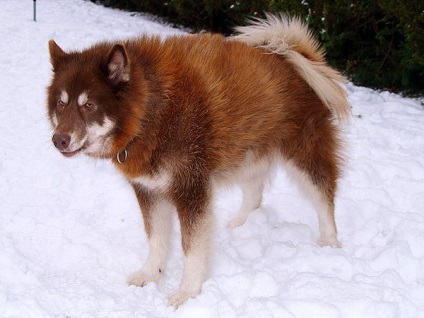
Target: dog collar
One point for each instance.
(122, 156)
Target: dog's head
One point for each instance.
(86, 99)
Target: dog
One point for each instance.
(183, 115)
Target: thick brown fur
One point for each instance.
(195, 111)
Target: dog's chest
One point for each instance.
(159, 182)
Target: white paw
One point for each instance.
(142, 278)
(236, 222)
(181, 296)
(329, 241)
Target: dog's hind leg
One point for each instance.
(252, 196)
(252, 177)
(158, 225)
(322, 198)
(315, 162)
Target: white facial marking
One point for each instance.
(96, 130)
(76, 142)
(97, 136)
(55, 121)
(64, 97)
(82, 99)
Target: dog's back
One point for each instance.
(240, 98)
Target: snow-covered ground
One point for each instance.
(71, 231)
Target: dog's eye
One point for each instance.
(88, 105)
(60, 104)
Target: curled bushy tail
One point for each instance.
(290, 37)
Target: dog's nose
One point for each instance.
(61, 141)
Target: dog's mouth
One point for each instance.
(71, 153)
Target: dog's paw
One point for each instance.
(142, 278)
(236, 222)
(329, 241)
(181, 296)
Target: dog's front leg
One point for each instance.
(158, 225)
(193, 204)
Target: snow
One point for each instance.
(71, 232)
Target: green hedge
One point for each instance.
(377, 43)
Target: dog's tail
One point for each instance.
(291, 38)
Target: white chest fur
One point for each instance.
(158, 182)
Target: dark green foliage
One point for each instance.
(377, 43)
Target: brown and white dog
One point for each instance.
(180, 116)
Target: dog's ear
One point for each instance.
(56, 54)
(118, 65)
